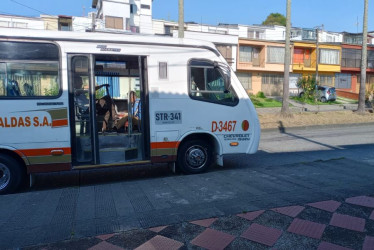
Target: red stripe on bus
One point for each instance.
(43, 151)
(60, 123)
(171, 144)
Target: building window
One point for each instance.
(302, 56)
(276, 79)
(275, 54)
(168, 30)
(133, 9)
(207, 83)
(226, 52)
(255, 34)
(114, 22)
(351, 58)
(343, 81)
(245, 54)
(352, 39)
(371, 59)
(145, 6)
(249, 54)
(245, 79)
(163, 70)
(329, 56)
(65, 27)
(326, 80)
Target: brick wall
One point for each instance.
(346, 94)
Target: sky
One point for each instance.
(334, 15)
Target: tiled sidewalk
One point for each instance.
(345, 224)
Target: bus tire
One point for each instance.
(12, 174)
(194, 156)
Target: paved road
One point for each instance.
(292, 167)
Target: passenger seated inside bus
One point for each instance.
(13, 88)
(29, 91)
(105, 107)
(122, 124)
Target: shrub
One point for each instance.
(308, 85)
(260, 95)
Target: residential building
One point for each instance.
(348, 81)
(260, 66)
(262, 32)
(225, 43)
(225, 37)
(22, 22)
(356, 38)
(305, 61)
(163, 27)
(125, 15)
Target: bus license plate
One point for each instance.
(168, 117)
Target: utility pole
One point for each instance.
(93, 20)
(361, 101)
(285, 111)
(317, 55)
(181, 19)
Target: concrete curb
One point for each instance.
(319, 127)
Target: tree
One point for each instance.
(285, 111)
(361, 101)
(275, 19)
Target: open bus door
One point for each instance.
(103, 125)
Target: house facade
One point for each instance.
(260, 66)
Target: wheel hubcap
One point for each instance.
(4, 176)
(196, 156)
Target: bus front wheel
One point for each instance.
(194, 157)
(11, 174)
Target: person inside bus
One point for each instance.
(136, 107)
(104, 106)
(13, 88)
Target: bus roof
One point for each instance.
(103, 37)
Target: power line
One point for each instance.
(31, 8)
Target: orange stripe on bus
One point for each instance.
(60, 123)
(43, 151)
(171, 144)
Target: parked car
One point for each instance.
(325, 93)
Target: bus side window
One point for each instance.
(32, 73)
(207, 83)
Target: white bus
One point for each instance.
(66, 105)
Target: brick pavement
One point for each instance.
(331, 224)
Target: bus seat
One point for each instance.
(28, 89)
(13, 88)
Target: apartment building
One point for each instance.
(348, 81)
(260, 66)
(125, 15)
(22, 22)
(305, 61)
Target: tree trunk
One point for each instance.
(285, 111)
(361, 101)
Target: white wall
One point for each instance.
(275, 33)
(117, 9)
(81, 24)
(21, 22)
(325, 36)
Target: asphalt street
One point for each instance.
(293, 166)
